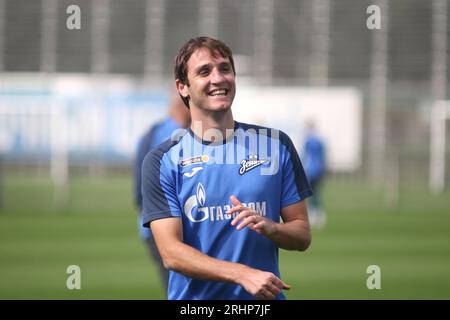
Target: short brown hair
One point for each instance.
(213, 45)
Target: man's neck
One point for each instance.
(179, 118)
(215, 126)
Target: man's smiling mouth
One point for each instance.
(218, 92)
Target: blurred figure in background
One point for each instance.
(315, 167)
(178, 117)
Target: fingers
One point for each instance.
(237, 208)
(264, 227)
(265, 294)
(271, 289)
(263, 285)
(281, 284)
(237, 205)
(274, 290)
(247, 218)
(259, 225)
(235, 201)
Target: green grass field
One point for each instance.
(96, 230)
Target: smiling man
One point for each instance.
(214, 196)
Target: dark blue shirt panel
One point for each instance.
(293, 169)
(154, 199)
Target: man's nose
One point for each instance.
(216, 76)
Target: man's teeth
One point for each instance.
(218, 92)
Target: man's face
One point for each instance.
(211, 79)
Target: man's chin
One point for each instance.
(220, 107)
(224, 108)
(216, 107)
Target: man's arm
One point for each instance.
(293, 234)
(180, 257)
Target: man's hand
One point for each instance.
(185, 259)
(262, 285)
(250, 218)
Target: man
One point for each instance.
(315, 167)
(214, 248)
(178, 117)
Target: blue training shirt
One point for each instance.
(157, 134)
(193, 180)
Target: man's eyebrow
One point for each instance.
(203, 66)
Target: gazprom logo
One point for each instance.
(201, 195)
(193, 207)
(196, 211)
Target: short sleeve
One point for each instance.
(159, 197)
(295, 185)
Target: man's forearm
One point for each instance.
(193, 263)
(293, 235)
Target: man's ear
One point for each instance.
(182, 88)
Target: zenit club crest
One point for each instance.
(251, 163)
